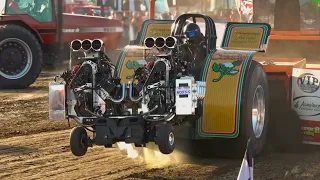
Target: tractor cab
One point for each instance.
(40, 10)
(37, 32)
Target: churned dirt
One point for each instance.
(26, 111)
(33, 147)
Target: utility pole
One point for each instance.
(152, 9)
(60, 28)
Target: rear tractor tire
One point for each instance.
(255, 111)
(79, 141)
(165, 138)
(20, 57)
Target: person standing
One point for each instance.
(136, 22)
(126, 29)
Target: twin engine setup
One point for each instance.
(162, 94)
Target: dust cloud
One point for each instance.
(151, 155)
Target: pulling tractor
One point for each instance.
(32, 33)
(249, 93)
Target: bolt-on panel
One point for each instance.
(224, 75)
(246, 36)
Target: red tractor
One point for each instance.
(33, 32)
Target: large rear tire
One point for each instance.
(20, 57)
(254, 115)
(255, 111)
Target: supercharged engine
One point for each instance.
(161, 94)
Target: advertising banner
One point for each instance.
(306, 102)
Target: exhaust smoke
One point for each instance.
(151, 155)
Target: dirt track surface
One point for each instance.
(26, 111)
(32, 147)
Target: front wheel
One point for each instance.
(165, 138)
(20, 57)
(78, 141)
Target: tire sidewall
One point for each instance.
(162, 138)
(75, 141)
(256, 77)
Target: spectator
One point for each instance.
(146, 16)
(97, 13)
(165, 16)
(175, 14)
(234, 16)
(215, 16)
(113, 15)
(126, 28)
(223, 16)
(119, 16)
(90, 13)
(136, 22)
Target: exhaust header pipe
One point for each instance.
(171, 42)
(87, 45)
(97, 44)
(76, 45)
(160, 42)
(149, 42)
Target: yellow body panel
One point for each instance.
(224, 76)
(220, 103)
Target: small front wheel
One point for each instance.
(78, 141)
(165, 138)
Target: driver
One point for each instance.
(197, 45)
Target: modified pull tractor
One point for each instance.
(162, 93)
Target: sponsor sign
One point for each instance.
(183, 90)
(306, 102)
(156, 30)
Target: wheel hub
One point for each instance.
(15, 58)
(83, 141)
(258, 111)
(171, 139)
(11, 58)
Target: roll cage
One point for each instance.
(210, 30)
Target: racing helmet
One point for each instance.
(191, 31)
